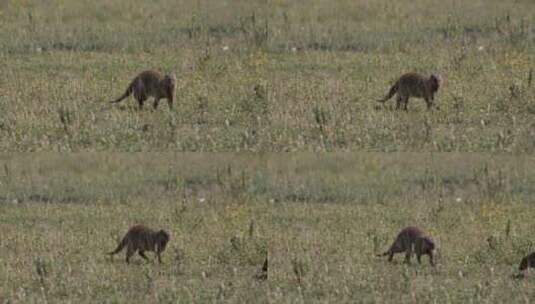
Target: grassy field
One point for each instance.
(266, 76)
(320, 218)
(318, 68)
(60, 215)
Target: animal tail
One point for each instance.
(391, 93)
(120, 247)
(129, 91)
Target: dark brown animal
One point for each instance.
(412, 239)
(140, 238)
(151, 84)
(414, 85)
(527, 262)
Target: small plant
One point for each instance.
(514, 91)
(300, 269)
(491, 184)
(428, 130)
(251, 231)
(459, 107)
(202, 109)
(493, 242)
(321, 118)
(65, 117)
(42, 269)
(260, 31)
(179, 259)
(508, 228)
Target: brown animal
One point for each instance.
(527, 262)
(414, 85)
(412, 239)
(140, 238)
(151, 84)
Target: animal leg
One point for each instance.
(159, 257)
(429, 102)
(399, 100)
(406, 103)
(156, 100)
(142, 254)
(140, 100)
(129, 253)
(418, 257)
(140, 95)
(408, 255)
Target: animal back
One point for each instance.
(408, 236)
(412, 84)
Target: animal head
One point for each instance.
(435, 81)
(426, 244)
(162, 238)
(170, 79)
(169, 83)
(528, 261)
(523, 264)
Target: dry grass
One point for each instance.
(321, 219)
(319, 68)
(266, 76)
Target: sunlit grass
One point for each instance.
(320, 67)
(320, 218)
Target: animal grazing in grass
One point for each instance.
(151, 83)
(412, 239)
(141, 238)
(414, 85)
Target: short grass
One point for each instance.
(60, 215)
(320, 218)
(317, 66)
